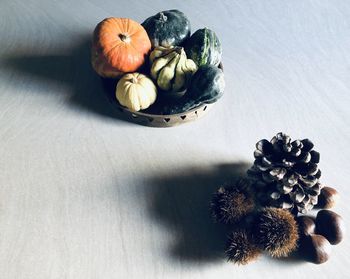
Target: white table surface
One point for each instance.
(84, 194)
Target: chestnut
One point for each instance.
(306, 225)
(327, 198)
(330, 225)
(315, 248)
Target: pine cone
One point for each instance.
(285, 173)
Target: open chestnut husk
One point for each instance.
(330, 225)
(315, 248)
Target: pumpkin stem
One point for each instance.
(125, 38)
(162, 17)
(179, 50)
(134, 79)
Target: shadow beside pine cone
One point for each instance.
(180, 201)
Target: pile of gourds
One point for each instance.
(159, 57)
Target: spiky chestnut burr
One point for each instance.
(276, 231)
(285, 173)
(240, 248)
(230, 204)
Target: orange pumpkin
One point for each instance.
(120, 45)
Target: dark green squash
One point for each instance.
(167, 28)
(206, 87)
(204, 48)
(207, 84)
(180, 106)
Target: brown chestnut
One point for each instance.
(315, 248)
(327, 198)
(306, 225)
(330, 225)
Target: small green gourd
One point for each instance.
(204, 48)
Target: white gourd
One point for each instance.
(136, 91)
(171, 69)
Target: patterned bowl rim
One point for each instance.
(162, 120)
